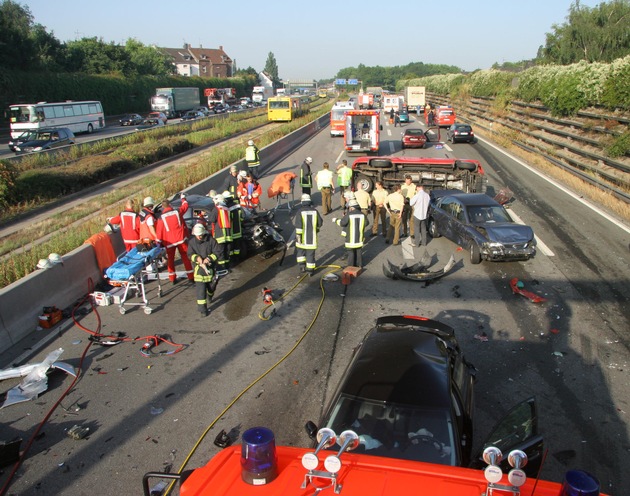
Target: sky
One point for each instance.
(314, 40)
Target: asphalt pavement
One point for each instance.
(239, 370)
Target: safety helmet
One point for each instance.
(242, 174)
(227, 195)
(44, 263)
(148, 202)
(212, 193)
(217, 199)
(250, 143)
(308, 160)
(306, 198)
(199, 230)
(353, 203)
(55, 258)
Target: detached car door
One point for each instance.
(517, 430)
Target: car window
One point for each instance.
(516, 427)
(396, 431)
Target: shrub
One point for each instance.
(8, 175)
(620, 146)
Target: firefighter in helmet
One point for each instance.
(307, 222)
(204, 252)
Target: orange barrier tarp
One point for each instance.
(282, 184)
(103, 250)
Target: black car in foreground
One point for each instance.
(42, 140)
(460, 133)
(482, 225)
(408, 394)
(131, 120)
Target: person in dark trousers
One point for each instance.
(204, 252)
(306, 176)
(396, 119)
(219, 219)
(420, 204)
(353, 229)
(231, 181)
(236, 221)
(307, 223)
(252, 158)
(391, 115)
(431, 118)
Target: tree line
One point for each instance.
(598, 34)
(27, 46)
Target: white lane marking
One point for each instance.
(539, 243)
(584, 202)
(389, 132)
(339, 156)
(447, 147)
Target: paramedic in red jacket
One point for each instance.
(129, 223)
(172, 233)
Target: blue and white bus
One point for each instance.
(79, 117)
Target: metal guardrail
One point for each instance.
(604, 172)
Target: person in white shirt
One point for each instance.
(420, 204)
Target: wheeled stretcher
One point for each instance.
(129, 271)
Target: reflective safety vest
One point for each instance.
(171, 229)
(249, 194)
(251, 156)
(221, 225)
(344, 176)
(307, 224)
(148, 220)
(324, 179)
(236, 221)
(353, 225)
(305, 175)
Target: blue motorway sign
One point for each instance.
(340, 81)
(353, 81)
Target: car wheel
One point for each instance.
(433, 229)
(366, 183)
(90, 129)
(475, 253)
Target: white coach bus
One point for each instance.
(79, 117)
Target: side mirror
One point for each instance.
(381, 127)
(311, 429)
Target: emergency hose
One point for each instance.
(151, 341)
(334, 268)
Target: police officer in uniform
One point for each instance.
(324, 179)
(395, 204)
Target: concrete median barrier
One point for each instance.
(22, 302)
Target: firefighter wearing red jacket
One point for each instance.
(129, 223)
(220, 220)
(147, 221)
(172, 233)
(249, 193)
